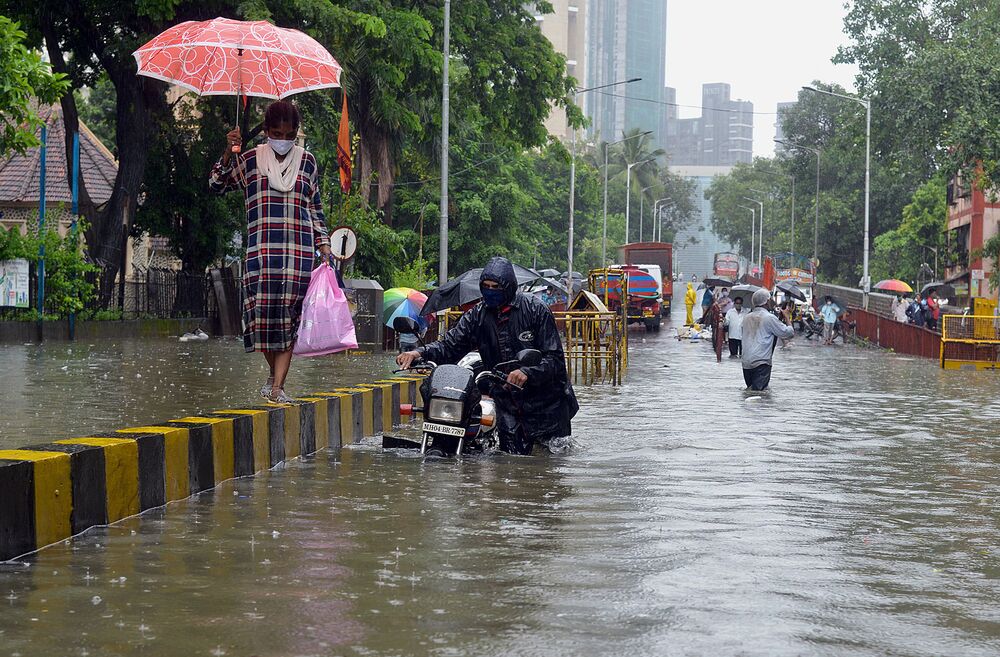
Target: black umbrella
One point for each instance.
(744, 292)
(791, 289)
(717, 282)
(464, 289)
(556, 284)
(944, 290)
(548, 273)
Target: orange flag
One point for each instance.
(344, 150)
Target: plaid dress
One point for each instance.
(284, 230)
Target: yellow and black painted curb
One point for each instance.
(56, 490)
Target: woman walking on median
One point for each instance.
(285, 227)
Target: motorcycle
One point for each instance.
(459, 416)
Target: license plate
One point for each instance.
(433, 427)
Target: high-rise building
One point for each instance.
(695, 246)
(779, 128)
(722, 136)
(625, 39)
(565, 28)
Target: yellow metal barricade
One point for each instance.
(970, 341)
(595, 343)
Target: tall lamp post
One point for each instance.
(866, 283)
(658, 226)
(572, 177)
(628, 191)
(604, 237)
(753, 228)
(642, 198)
(817, 153)
(760, 242)
(445, 115)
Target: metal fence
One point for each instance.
(901, 338)
(161, 293)
(596, 346)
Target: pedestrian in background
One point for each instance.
(707, 299)
(933, 310)
(761, 331)
(829, 312)
(899, 306)
(690, 298)
(734, 327)
(285, 228)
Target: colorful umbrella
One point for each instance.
(403, 302)
(224, 57)
(893, 285)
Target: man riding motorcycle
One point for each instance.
(502, 324)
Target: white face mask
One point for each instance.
(280, 146)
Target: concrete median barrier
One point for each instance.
(53, 491)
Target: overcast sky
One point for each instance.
(765, 49)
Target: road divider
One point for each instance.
(53, 491)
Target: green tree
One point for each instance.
(900, 252)
(26, 80)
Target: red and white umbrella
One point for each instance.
(249, 58)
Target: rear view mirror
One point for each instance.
(529, 357)
(405, 325)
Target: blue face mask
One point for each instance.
(493, 298)
(280, 146)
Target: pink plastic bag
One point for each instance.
(326, 326)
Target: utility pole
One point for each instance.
(445, 117)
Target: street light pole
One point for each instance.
(628, 193)
(817, 153)
(760, 242)
(753, 227)
(604, 238)
(658, 219)
(867, 104)
(445, 113)
(572, 177)
(642, 198)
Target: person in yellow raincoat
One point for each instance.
(690, 297)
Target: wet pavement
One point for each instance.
(851, 510)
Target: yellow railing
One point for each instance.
(970, 342)
(595, 344)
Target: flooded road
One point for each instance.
(852, 510)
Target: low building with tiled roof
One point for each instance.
(20, 188)
(20, 176)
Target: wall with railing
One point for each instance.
(890, 334)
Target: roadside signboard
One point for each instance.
(14, 283)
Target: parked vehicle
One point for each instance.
(649, 254)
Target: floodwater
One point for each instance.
(63, 390)
(852, 510)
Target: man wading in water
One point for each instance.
(761, 331)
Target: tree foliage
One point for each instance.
(900, 252)
(24, 81)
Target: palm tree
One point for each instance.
(636, 147)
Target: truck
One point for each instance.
(727, 265)
(646, 255)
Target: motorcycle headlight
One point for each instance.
(445, 410)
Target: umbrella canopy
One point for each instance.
(893, 285)
(945, 290)
(716, 282)
(556, 284)
(224, 57)
(548, 273)
(791, 289)
(464, 289)
(403, 302)
(744, 292)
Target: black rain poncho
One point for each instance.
(545, 408)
